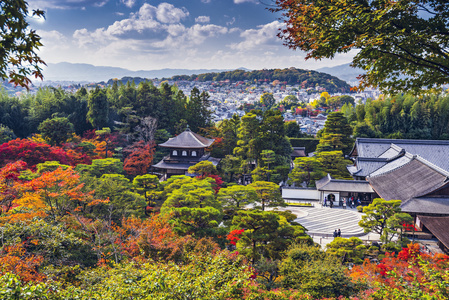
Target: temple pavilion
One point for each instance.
(186, 150)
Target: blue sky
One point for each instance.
(149, 35)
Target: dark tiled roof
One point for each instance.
(327, 183)
(174, 166)
(299, 152)
(187, 140)
(427, 205)
(392, 165)
(413, 179)
(435, 151)
(184, 165)
(438, 226)
(366, 166)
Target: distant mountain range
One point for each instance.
(65, 71)
(343, 72)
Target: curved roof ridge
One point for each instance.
(392, 146)
(402, 141)
(420, 159)
(194, 136)
(188, 139)
(431, 165)
(394, 169)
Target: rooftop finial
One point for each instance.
(188, 128)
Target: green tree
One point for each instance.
(6, 134)
(333, 162)
(336, 134)
(267, 99)
(248, 144)
(349, 250)
(235, 197)
(123, 202)
(260, 173)
(289, 101)
(198, 112)
(100, 167)
(363, 130)
(312, 271)
(259, 229)
(395, 227)
(377, 215)
(292, 129)
(272, 135)
(190, 193)
(56, 130)
(146, 185)
(18, 53)
(203, 168)
(98, 114)
(306, 169)
(402, 44)
(268, 194)
(268, 157)
(229, 133)
(50, 166)
(57, 245)
(230, 166)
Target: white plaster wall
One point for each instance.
(300, 194)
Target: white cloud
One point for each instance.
(230, 22)
(190, 37)
(164, 13)
(153, 28)
(65, 4)
(202, 19)
(243, 1)
(265, 35)
(129, 3)
(167, 13)
(206, 1)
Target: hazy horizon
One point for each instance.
(153, 35)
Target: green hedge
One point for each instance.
(309, 143)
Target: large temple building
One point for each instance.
(186, 149)
(413, 171)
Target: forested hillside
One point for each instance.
(292, 76)
(82, 217)
(402, 116)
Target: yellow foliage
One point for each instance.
(38, 138)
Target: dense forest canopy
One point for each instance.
(83, 218)
(401, 116)
(292, 76)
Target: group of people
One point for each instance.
(337, 233)
(344, 202)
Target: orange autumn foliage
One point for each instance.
(100, 148)
(14, 259)
(55, 194)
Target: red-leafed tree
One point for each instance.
(9, 187)
(140, 158)
(234, 236)
(34, 153)
(411, 272)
